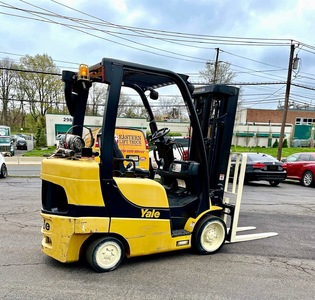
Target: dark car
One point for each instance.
(301, 167)
(261, 166)
(21, 144)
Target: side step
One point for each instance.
(180, 232)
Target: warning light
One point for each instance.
(83, 73)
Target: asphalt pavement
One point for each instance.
(277, 268)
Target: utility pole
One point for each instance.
(286, 102)
(216, 66)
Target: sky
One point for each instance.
(253, 36)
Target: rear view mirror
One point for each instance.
(154, 95)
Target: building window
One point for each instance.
(304, 121)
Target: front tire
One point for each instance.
(274, 182)
(308, 179)
(105, 254)
(209, 235)
(3, 171)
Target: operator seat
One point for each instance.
(130, 170)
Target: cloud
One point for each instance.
(280, 20)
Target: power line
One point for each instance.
(186, 39)
(284, 41)
(77, 28)
(198, 37)
(30, 71)
(194, 83)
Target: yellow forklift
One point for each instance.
(110, 209)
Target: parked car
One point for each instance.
(301, 143)
(21, 144)
(3, 167)
(301, 167)
(6, 146)
(261, 166)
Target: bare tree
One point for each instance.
(171, 108)
(130, 108)
(222, 71)
(223, 74)
(8, 88)
(97, 98)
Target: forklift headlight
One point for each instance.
(182, 243)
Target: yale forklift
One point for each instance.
(109, 209)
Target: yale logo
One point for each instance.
(147, 213)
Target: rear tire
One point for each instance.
(307, 179)
(274, 182)
(3, 171)
(105, 254)
(209, 235)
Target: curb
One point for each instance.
(21, 160)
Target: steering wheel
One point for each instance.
(159, 134)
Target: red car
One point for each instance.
(301, 166)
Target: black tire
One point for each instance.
(274, 182)
(307, 179)
(3, 171)
(209, 235)
(105, 254)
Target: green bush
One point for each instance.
(275, 144)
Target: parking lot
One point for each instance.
(280, 267)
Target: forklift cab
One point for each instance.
(145, 81)
(176, 206)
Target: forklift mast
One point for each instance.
(216, 109)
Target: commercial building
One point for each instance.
(261, 127)
(294, 116)
(253, 127)
(60, 124)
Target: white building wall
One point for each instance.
(53, 119)
(241, 116)
(178, 127)
(255, 130)
(90, 121)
